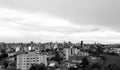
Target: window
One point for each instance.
(33, 60)
(27, 63)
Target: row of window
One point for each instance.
(31, 57)
(30, 61)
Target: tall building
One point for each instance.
(24, 61)
(70, 51)
(67, 52)
(55, 45)
(82, 44)
(75, 50)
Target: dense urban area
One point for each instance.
(59, 56)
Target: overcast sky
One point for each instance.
(60, 20)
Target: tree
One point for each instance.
(38, 67)
(3, 54)
(57, 58)
(85, 63)
(112, 67)
(4, 63)
(72, 68)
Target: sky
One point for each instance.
(60, 20)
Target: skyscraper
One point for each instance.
(81, 43)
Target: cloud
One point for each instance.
(21, 25)
(95, 29)
(38, 21)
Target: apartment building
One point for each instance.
(24, 61)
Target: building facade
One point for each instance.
(24, 61)
(70, 51)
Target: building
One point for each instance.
(75, 50)
(55, 45)
(83, 53)
(24, 61)
(1, 67)
(82, 45)
(70, 50)
(17, 49)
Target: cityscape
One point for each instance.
(59, 56)
(59, 34)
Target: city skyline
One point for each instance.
(63, 20)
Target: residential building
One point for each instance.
(24, 61)
(70, 50)
(17, 49)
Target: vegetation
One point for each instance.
(38, 67)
